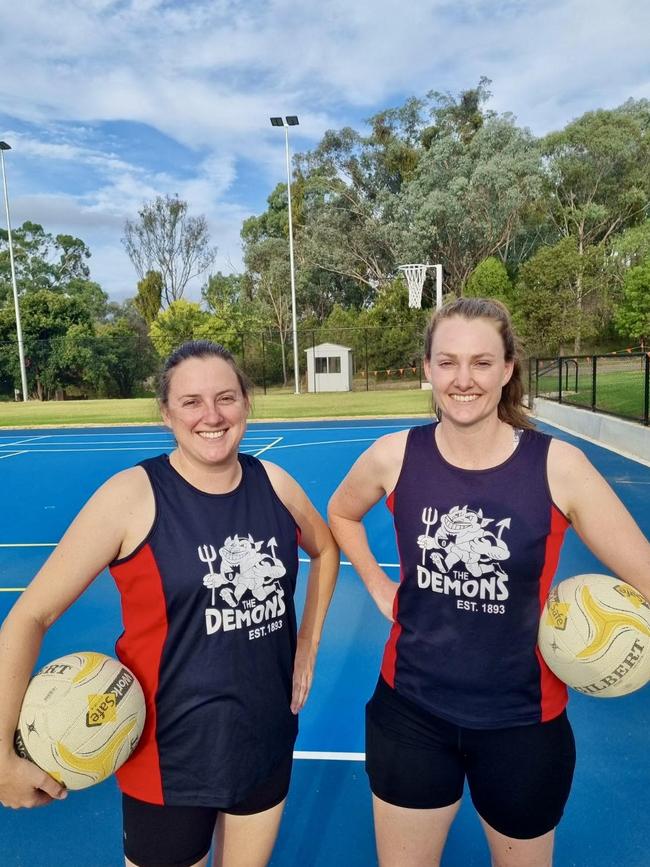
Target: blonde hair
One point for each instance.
(511, 409)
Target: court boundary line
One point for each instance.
(328, 756)
(267, 447)
(13, 454)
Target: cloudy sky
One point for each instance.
(107, 103)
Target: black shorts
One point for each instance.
(519, 778)
(168, 836)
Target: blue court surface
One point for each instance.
(45, 477)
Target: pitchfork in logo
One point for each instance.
(429, 517)
(208, 555)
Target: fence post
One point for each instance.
(263, 363)
(365, 338)
(594, 373)
(646, 399)
(559, 394)
(313, 349)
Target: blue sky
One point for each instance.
(107, 103)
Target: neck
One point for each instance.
(210, 478)
(476, 447)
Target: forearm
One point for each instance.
(351, 536)
(20, 642)
(323, 572)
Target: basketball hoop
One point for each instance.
(415, 276)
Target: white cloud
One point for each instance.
(208, 73)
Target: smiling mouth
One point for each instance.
(211, 434)
(464, 398)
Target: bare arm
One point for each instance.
(91, 542)
(318, 542)
(373, 476)
(598, 516)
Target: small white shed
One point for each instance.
(329, 367)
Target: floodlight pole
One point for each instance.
(21, 352)
(291, 120)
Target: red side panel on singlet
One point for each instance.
(390, 653)
(553, 691)
(145, 618)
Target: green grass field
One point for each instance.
(620, 392)
(270, 406)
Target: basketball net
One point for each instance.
(415, 276)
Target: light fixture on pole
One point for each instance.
(21, 353)
(291, 120)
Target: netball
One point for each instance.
(81, 718)
(594, 635)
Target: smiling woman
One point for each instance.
(481, 502)
(203, 547)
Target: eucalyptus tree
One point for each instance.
(165, 238)
(597, 173)
(472, 198)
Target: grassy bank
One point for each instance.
(278, 406)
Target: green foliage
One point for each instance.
(42, 261)
(51, 325)
(149, 298)
(598, 173)
(181, 321)
(632, 316)
(546, 313)
(471, 199)
(489, 280)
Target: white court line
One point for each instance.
(609, 448)
(54, 544)
(12, 589)
(12, 454)
(342, 428)
(629, 482)
(160, 442)
(269, 446)
(328, 443)
(347, 563)
(329, 756)
(90, 443)
(24, 441)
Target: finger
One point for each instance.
(49, 786)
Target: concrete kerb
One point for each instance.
(628, 438)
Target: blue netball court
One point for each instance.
(46, 476)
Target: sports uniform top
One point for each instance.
(214, 657)
(478, 550)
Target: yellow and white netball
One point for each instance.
(81, 718)
(594, 635)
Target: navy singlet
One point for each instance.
(215, 662)
(478, 550)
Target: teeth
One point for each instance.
(211, 434)
(464, 398)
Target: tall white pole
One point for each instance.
(294, 322)
(438, 286)
(19, 331)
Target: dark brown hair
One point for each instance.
(199, 349)
(510, 409)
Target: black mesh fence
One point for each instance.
(612, 384)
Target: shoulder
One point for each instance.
(569, 473)
(123, 491)
(388, 451)
(284, 484)
(564, 457)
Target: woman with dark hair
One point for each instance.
(203, 546)
(481, 502)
